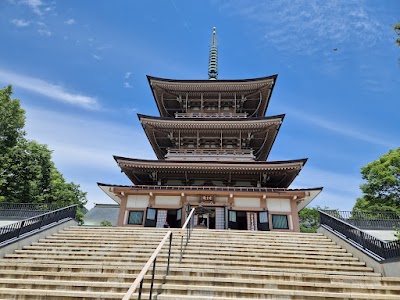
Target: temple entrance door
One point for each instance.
(151, 217)
(204, 217)
(241, 220)
(174, 218)
(252, 218)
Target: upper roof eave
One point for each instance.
(303, 161)
(152, 78)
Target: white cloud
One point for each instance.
(44, 32)
(83, 147)
(296, 25)
(127, 85)
(127, 75)
(70, 22)
(47, 89)
(35, 6)
(96, 57)
(340, 128)
(20, 22)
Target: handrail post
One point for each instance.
(140, 290)
(169, 252)
(152, 278)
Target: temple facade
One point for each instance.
(212, 141)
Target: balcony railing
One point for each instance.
(245, 153)
(211, 115)
(376, 248)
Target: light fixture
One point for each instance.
(151, 194)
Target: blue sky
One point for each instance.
(79, 69)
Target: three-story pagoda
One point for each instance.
(212, 140)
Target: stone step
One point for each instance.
(198, 251)
(37, 294)
(67, 285)
(341, 286)
(207, 292)
(117, 255)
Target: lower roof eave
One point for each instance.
(311, 193)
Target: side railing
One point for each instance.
(14, 231)
(25, 210)
(368, 220)
(379, 249)
(186, 230)
(138, 283)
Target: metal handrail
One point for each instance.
(15, 230)
(139, 280)
(381, 250)
(188, 227)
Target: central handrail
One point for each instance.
(139, 280)
(188, 226)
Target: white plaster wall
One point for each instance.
(137, 201)
(279, 205)
(192, 198)
(247, 202)
(168, 200)
(221, 199)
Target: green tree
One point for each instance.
(396, 28)
(381, 191)
(309, 219)
(27, 173)
(12, 119)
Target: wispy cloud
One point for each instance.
(126, 82)
(70, 22)
(127, 75)
(96, 57)
(44, 32)
(35, 5)
(339, 127)
(50, 90)
(296, 25)
(20, 22)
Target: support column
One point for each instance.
(122, 209)
(295, 214)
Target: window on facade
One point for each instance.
(232, 216)
(135, 217)
(263, 215)
(179, 214)
(151, 214)
(280, 222)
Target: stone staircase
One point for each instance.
(102, 263)
(224, 265)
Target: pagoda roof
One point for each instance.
(274, 174)
(114, 190)
(263, 85)
(262, 129)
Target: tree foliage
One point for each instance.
(27, 173)
(381, 191)
(396, 28)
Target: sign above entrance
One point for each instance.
(207, 199)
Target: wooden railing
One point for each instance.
(152, 260)
(210, 115)
(210, 151)
(186, 230)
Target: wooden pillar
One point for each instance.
(122, 209)
(295, 214)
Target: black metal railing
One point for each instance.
(25, 210)
(187, 229)
(138, 283)
(14, 231)
(372, 245)
(368, 220)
